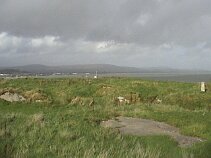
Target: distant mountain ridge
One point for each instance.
(87, 68)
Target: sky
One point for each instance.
(140, 33)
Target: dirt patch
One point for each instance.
(143, 127)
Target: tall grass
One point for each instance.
(58, 128)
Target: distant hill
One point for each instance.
(91, 68)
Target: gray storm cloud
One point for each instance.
(171, 33)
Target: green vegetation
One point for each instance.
(61, 118)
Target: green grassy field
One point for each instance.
(61, 118)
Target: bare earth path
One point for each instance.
(143, 127)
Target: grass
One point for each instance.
(58, 128)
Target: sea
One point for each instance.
(178, 77)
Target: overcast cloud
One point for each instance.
(142, 33)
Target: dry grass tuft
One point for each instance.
(2, 132)
(84, 101)
(35, 95)
(37, 119)
(10, 90)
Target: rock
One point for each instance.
(158, 101)
(203, 87)
(127, 101)
(38, 101)
(143, 127)
(119, 100)
(12, 97)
